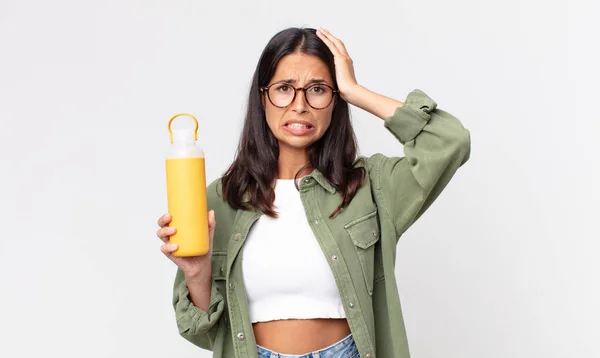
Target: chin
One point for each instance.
(297, 144)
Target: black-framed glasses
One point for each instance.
(318, 95)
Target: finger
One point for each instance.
(211, 228)
(168, 249)
(323, 36)
(165, 232)
(211, 221)
(164, 220)
(338, 43)
(333, 40)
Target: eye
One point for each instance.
(282, 88)
(317, 89)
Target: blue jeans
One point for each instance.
(346, 348)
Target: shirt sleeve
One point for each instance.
(435, 145)
(196, 325)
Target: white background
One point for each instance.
(502, 265)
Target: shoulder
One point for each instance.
(214, 190)
(386, 176)
(224, 214)
(377, 164)
(373, 162)
(215, 198)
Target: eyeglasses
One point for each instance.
(318, 96)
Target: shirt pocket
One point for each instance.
(364, 233)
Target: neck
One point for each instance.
(290, 161)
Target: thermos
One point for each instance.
(186, 190)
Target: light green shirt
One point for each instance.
(359, 242)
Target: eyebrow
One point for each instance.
(313, 80)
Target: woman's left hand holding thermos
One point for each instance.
(191, 266)
(196, 269)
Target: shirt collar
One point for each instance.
(320, 178)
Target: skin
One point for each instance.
(289, 336)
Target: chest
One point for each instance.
(348, 238)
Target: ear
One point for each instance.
(262, 98)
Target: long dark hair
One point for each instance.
(248, 182)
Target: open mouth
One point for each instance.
(298, 126)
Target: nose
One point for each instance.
(299, 104)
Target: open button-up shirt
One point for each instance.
(359, 242)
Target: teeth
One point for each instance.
(297, 126)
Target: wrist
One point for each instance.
(355, 95)
(199, 277)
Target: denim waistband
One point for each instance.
(344, 345)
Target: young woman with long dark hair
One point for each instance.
(303, 230)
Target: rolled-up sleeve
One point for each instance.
(435, 145)
(196, 325)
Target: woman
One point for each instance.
(303, 233)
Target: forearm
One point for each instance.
(200, 288)
(374, 103)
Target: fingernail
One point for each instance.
(166, 217)
(173, 247)
(171, 230)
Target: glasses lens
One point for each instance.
(281, 94)
(317, 96)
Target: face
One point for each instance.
(298, 125)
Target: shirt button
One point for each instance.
(316, 221)
(351, 305)
(241, 336)
(368, 355)
(231, 285)
(374, 233)
(307, 180)
(370, 293)
(237, 237)
(334, 257)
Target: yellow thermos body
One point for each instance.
(186, 191)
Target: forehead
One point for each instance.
(301, 67)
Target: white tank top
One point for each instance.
(286, 274)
